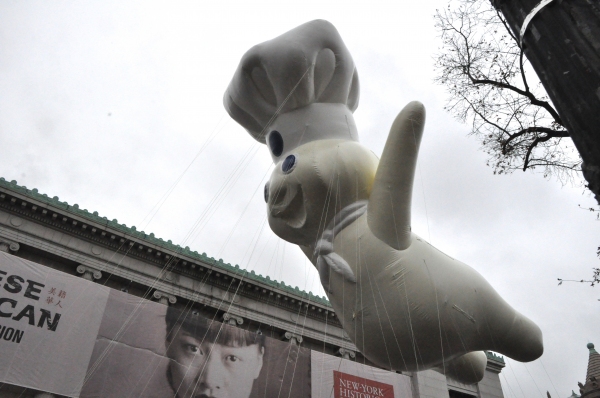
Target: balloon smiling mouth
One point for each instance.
(291, 209)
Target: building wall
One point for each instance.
(77, 242)
(430, 384)
(490, 386)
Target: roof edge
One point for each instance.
(151, 238)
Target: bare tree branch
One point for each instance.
(550, 133)
(517, 90)
(488, 79)
(530, 148)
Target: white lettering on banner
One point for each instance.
(345, 393)
(349, 379)
(350, 386)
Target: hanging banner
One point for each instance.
(146, 349)
(49, 321)
(65, 335)
(334, 377)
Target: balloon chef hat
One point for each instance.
(299, 87)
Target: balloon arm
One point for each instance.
(390, 200)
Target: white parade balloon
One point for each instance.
(405, 304)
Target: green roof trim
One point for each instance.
(132, 231)
(494, 357)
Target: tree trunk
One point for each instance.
(562, 43)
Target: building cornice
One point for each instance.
(495, 363)
(120, 238)
(103, 248)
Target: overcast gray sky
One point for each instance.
(106, 103)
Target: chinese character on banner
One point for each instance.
(49, 299)
(52, 291)
(349, 386)
(62, 294)
(58, 304)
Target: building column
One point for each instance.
(295, 339)
(88, 273)
(8, 246)
(233, 320)
(164, 298)
(346, 354)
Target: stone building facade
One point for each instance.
(65, 237)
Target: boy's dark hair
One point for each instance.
(209, 331)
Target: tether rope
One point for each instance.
(233, 178)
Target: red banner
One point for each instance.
(349, 386)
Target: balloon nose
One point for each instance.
(278, 196)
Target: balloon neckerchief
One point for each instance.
(327, 258)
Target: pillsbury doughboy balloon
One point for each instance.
(405, 304)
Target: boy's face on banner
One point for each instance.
(206, 370)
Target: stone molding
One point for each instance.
(134, 269)
(294, 338)
(88, 272)
(164, 298)
(7, 245)
(232, 319)
(346, 354)
(110, 235)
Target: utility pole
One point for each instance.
(562, 43)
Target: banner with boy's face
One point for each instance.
(150, 350)
(65, 335)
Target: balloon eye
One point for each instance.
(288, 164)
(275, 143)
(267, 192)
